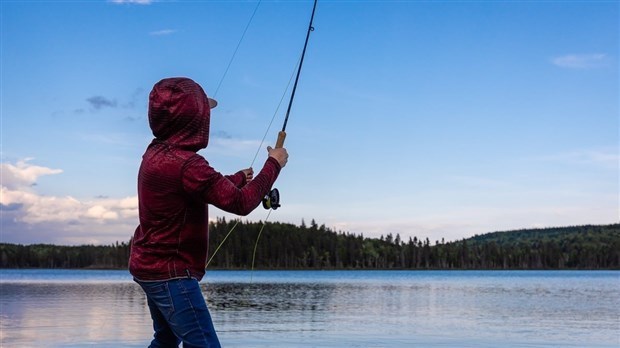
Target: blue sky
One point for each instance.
(439, 119)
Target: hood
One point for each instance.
(179, 113)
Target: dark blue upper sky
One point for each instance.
(438, 119)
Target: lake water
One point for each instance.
(76, 308)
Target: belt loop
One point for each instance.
(188, 274)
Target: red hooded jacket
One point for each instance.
(175, 185)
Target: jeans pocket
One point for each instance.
(159, 294)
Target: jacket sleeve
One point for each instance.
(238, 179)
(202, 181)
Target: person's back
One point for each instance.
(170, 240)
(175, 186)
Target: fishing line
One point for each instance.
(301, 62)
(255, 156)
(271, 201)
(256, 244)
(236, 49)
(221, 243)
(274, 194)
(274, 115)
(232, 58)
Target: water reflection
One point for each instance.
(59, 315)
(383, 310)
(268, 297)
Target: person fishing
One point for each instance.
(175, 187)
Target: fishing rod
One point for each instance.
(282, 133)
(272, 199)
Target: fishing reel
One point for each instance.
(272, 200)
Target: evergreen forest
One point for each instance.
(288, 246)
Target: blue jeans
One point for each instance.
(179, 314)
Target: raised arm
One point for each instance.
(203, 182)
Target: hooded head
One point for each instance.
(180, 113)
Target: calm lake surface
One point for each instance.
(76, 308)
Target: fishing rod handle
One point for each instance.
(280, 141)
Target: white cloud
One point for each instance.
(28, 217)
(38, 209)
(23, 174)
(101, 213)
(581, 61)
(162, 32)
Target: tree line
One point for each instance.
(288, 246)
